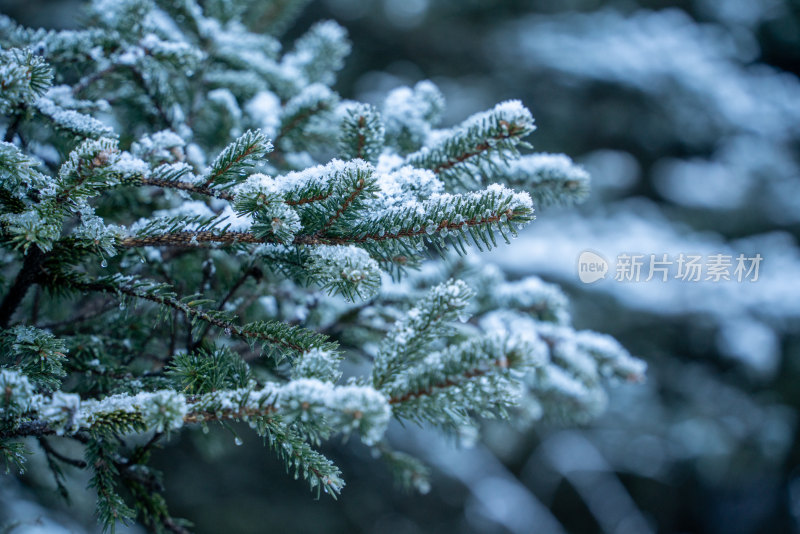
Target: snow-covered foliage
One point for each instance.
(686, 119)
(210, 185)
(703, 79)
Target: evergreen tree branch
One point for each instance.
(475, 375)
(185, 186)
(277, 15)
(549, 178)
(361, 184)
(407, 223)
(80, 464)
(27, 276)
(27, 429)
(449, 382)
(362, 133)
(429, 318)
(156, 102)
(239, 156)
(141, 452)
(411, 232)
(80, 317)
(275, 333)
(85, 82)
(11, 131)
(310, 199)
(293, 122)
(39, 428)
(346, 203)
(480, 140)
(194, 67)
(55, 469)
(193, 239)
(250, 271)
(105, 476)
(314, 408)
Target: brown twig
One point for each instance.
(191, 188)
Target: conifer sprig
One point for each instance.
(477, 145)
(549, 178)
(457, 217)
(362, 134)
(241, 155)
(25, 76)
(479, 373)
(179, 177)
(333, 409)
(286, 337)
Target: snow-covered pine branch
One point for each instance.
(229, 230)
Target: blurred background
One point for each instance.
(687, 115)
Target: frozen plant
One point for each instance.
(196, 229)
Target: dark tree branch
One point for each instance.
(250, 271)
(80, 464)
(31, 268)
(11, 131)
